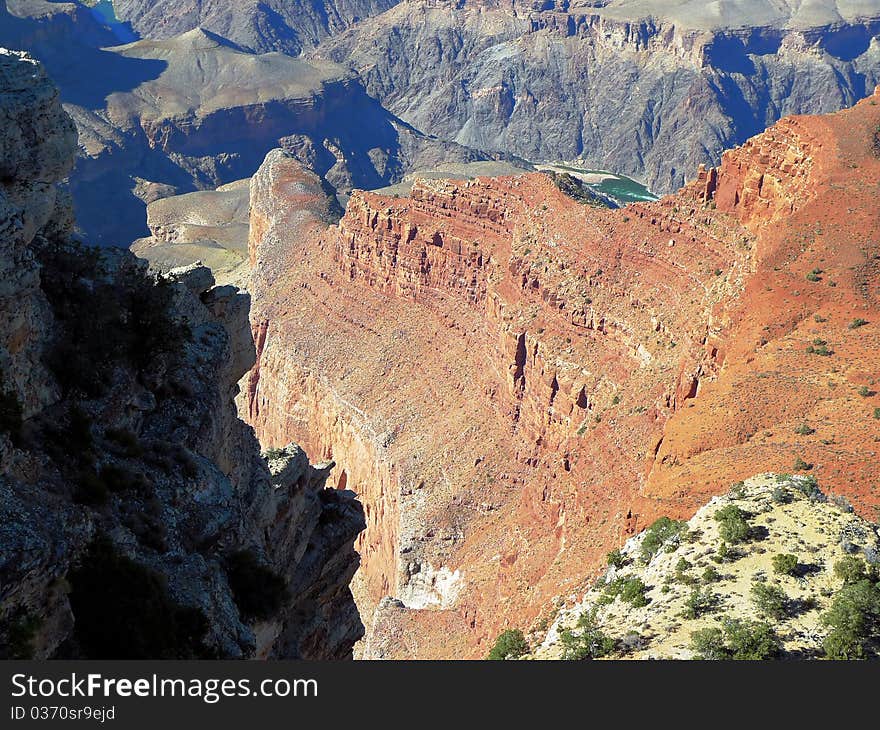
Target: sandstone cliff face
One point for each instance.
(650, 93)
(121, 453)
(535, 380)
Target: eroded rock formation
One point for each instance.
(137, 516)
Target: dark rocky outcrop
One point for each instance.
(125, 474)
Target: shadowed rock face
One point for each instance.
(135, 506)
(642, 88)
(275, 25)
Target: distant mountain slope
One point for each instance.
(647, 89)
(271, 25)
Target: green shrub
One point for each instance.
(737, 490)
(272, 454)
(699, 602)
(751, 640)
(123, 610)
(661, 532)
(587, 641)
(734, 526)
(780, 495)
(850, 569)
(258, 591)
(510, 644)
(853, 621)
(865, 391)
(857, 322)
(785, 564)
(801, 465)
(770, 601)
(615, 559)
(739, 640)
(633, 592)
(710, 575)
(708, 644)
(804, 430)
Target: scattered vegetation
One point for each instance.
(510, 644)
(857, 322)
(805, 430)
(109, 319)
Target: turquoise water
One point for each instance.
(621, 188)
(625, 190)
(104, 12)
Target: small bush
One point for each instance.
(615, 559)
(699, 602)
(708, 644)
(587, 641)
(734, 526)
(661, 532)
(90, 489)
(850, 569)
(770, 601)
(785, 564)
(710, 575)
(865, 391)
(751, 640)
(780, 495)
(127, 441)
(272, 454)
(801, 465)
(258, 591)
(633, 592)
(510, 644)
(804, 430)
(857, 322)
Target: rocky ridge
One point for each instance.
(787, 516)
(125, 475)
(649, 90)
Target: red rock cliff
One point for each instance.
(514, 382)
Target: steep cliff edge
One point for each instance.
(137, 516)
(533, 380)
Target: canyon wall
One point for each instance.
(650, 93)
(138, 518)
(541, 379)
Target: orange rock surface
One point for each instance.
(514, 383)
